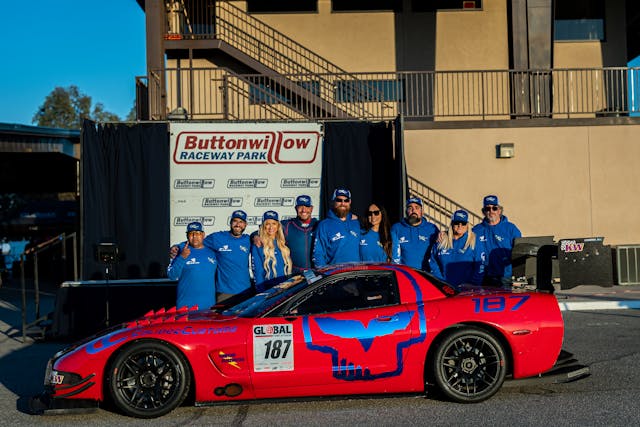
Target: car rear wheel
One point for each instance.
(469, 365)
(148, 379)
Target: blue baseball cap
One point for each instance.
(490, 200)
(303, 200)
(239, 214)
(460, 215)
(341, 191)
(270, 215)
(416, 200)
(194, 226)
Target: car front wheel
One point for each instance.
(148, 379)
(469, 365)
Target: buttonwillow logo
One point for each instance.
(246, 147)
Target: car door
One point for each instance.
(347, 334)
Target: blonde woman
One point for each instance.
(457, 258)
(272, 259)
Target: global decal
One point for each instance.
(280, 147)
(184, 220)
(300, 183)
(571, 246)
(191, 184)
(221, 202)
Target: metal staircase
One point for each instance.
(437, 207)
(299, 78)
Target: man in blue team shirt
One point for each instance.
(299, 233)
(497, 235)
(232, 250)
(413, 237)
(194, 269)
(338, 235)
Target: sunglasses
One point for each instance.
(374, 213)
(490, 208)
(339, 200)
(459, 223)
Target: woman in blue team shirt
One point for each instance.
(375, 239)
(457, 257)
(272, 259)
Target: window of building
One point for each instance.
(369, 91)
(432, 5)
(263, 6)
(579, 20)
(365, 5)
(263, 93)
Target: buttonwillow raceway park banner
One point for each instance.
(217, 168)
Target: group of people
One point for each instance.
(213, 268)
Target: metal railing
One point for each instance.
(33, 253)
(217, 93)
(437, 207)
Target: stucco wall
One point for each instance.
(573, 181)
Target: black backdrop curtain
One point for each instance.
(363, 157)
(125, 198)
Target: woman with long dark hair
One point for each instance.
(375, 239)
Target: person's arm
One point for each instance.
(319, 257)
(395, 246)
(434, 264)
(257, 266)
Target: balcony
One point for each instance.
(221, 94)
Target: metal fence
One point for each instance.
(218, 93)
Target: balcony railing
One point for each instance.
(219, 94)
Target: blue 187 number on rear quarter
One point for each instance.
(499, 303)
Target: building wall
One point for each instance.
(473, 40)
(566, 181)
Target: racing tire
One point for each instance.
(469, 366)
(148, 379)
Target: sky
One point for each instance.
(97, 45)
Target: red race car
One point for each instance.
(343, 330)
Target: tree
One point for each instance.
(66, 108)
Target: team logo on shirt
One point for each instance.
(483, 239)
(422, 238)
(225, 248)
(403, 240)
(363, 242)
(192, 261)
(353, 233)
(338, 236)
(498, 238)
(243, 249)
(211, 260)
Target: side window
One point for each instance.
(349, 293)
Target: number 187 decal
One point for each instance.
(499, 303)
(273, 348)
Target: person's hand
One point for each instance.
(173, 251)
(186, 251)
(256, 241)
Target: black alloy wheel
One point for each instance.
(148, 379)
(469, 366)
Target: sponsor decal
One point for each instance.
(300, 183)
(190, 184)
(100, 344)
(221, 202)
(231, 359)
(571, 246)
(247, 183)
(184, 220)
(278, 147)
(57, 379)
(273, 201)
(273, 348)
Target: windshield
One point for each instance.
(280, 289)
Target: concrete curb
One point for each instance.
(598, 305)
